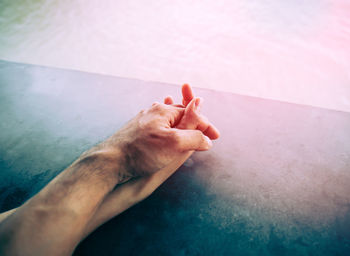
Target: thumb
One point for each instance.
(189, 119)
(192, 140)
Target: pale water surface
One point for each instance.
(292, 50)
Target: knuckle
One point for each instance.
(160, 108)
(157, 106)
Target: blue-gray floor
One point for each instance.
(277, 182)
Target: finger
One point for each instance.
(175, 115)
(192, 119)
(212, 132)
(206, 127)
(199, 102)
(189, 120)
(187, 94)
(168, 100)
(178, 105)
(192, 106)
(187, 140)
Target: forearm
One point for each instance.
(53, 221)
(132, 192)
(126, 195)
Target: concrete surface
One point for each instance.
(276, 183)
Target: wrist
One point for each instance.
(104, 166)
(83, 185)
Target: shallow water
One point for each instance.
(295, 51)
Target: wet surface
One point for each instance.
(277, 182)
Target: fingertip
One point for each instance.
(168, 100)
(212, 132)
(199, 103)
(186, 86)
(217, 134)
(209, 142)
(187, 93)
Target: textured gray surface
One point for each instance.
(276, 183)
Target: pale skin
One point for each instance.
(108, 179)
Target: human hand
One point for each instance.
(90, 205)
(192, 118)
(158, 135)
(137, 189)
